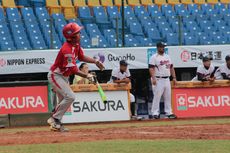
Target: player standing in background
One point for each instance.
(223, 72)
(206, 71)
(63, 67)
(160, 68)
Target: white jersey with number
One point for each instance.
(206, 73)
(162, 64)
(222, 69)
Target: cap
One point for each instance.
(123, 62)
(227, 58)
(206, 58)
(161, 44)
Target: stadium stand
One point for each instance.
(146, 22)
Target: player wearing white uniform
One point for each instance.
(122, 75)
(161, 68)
(223, 72)
(206, 71)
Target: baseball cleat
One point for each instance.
(156, 116)
(55, 124)
(172, 116)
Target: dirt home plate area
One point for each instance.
(205, 129)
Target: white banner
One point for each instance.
(189, 56)
(40, 61)
(88, 107)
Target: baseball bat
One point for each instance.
(100, 90)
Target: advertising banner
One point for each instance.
(201, 102)
(88, 107)
(40, 61)
(190, 56)
(19, 100)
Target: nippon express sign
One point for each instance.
(201, 102)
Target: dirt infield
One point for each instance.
(207, 131)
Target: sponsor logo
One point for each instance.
(19, 62)
(100, 57)
(181, 100)
(97, 106)
(21, 102)
(127, 57)
(2, 62)
(185, 102)
(185, 56)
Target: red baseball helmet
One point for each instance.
(70, 30)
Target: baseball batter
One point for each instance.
(160, 68)
(223, 72)
(63, 67)
(206, 71)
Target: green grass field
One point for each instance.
(126, 146)
(121, 146)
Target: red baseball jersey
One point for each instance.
(65, 62)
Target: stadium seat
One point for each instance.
(164, 31)
(133, 3)
(76, 20)
(7, 45)
(188, 18)
(113, 12)
(194, 29)
(167, 10)
(146, 2)
(93, 3)
(171, 19)
(181, 10)
(10, 4)
(148, 25)
(206, 7)
(154, 11)
(42, 14)
(109, 32)
(172, 39)
(191, 40)
(114, 42)
(128, 11)
(28, 15)
(79, 3)
(130, 41)
(160, 2)
(2, 16)
(145, 42)
(212, 1)
(199, 2)
(193, 9)
(201, 17)
(13, 14)
(173, 2)
(219, 6)
(219, 39)
(154, 34)
(85, 15)
(159, 19)
(223, 11)
(118, 3)
(186, 2)
(136, 29)
(53, 6)
(68, 9)
(100, 15)
(106, 3)
(140, 12)
(131, 20)
(209, 29)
